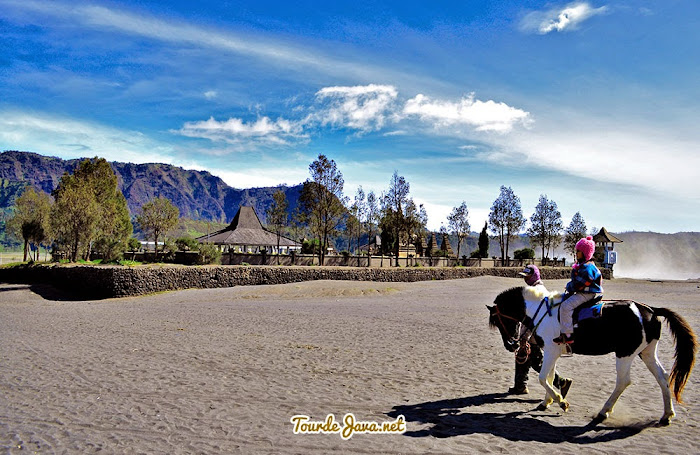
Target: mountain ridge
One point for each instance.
(198, 195)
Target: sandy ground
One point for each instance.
(224, 371)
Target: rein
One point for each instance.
(523, 352)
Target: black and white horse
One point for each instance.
(626, 328)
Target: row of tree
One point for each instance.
(324, 213)
(86, 214)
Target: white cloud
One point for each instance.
(560, 19)
(72, 138)
(635, 155)
(210, 94)
(263, 131)
(482, 115)
(365, 108)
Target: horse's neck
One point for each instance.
(533, 296)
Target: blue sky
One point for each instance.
(594, 104)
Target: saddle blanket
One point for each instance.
(588, 312)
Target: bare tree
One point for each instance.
(545, 226)
(277, 216)
(157, 217)
(372, 220)
(506, 218)
(322, 201)
(401, 218)
(575, 232)
(458, 222)
(30, 220)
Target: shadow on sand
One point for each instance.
(46, 291)
(448, 418)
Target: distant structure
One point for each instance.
(246, 234)
(603, 238)
(446, 247)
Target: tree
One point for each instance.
(506, 218)
(277, 216)
(458, 222)
(157, 217)
(322, 201)
(575, 232)
(545, 226)
(484, 243)
(394, 203)
(90, 210)
(31, 219)
(372, 218)
(359, 209)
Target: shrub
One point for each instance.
(186, 243)
(525, 253)
(208, 254)
(133, 244)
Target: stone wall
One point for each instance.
(118, 281)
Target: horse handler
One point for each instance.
(529, 354)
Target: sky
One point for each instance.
(593, 104)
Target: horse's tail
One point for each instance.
(686, 347)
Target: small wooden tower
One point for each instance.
(607, 242)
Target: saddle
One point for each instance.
(591, 309)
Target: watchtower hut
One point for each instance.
(606, 241)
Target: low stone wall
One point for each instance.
(118, 281)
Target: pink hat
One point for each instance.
(587, 247)
(531, 274)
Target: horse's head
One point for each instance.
(507, 316)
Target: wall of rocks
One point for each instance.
(119, 281)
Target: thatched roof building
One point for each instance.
(604, 237)
(246, 234)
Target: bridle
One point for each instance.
(522, 354)
(519, 325)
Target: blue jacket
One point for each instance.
(585, 278)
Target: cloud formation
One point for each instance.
(560, 19)
(363, 109)
(71, 138)
(481, 115)
(235, 131)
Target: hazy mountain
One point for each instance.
(198, 194)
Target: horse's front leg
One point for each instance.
(549, 363)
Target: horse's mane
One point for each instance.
(511, 302)
(504, 299)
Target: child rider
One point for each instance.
(586, 282)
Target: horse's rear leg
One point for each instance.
(623, 365)
(651, 360)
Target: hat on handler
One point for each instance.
(532, 272)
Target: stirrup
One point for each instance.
(564, 339)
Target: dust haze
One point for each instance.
(646, 255)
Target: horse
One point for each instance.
(625, 327)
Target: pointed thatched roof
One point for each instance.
(432, 246)
(246, 229)
(605, 237)
(447, 247)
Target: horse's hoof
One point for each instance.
(542, 407)
(564, 405)
(665, 421)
